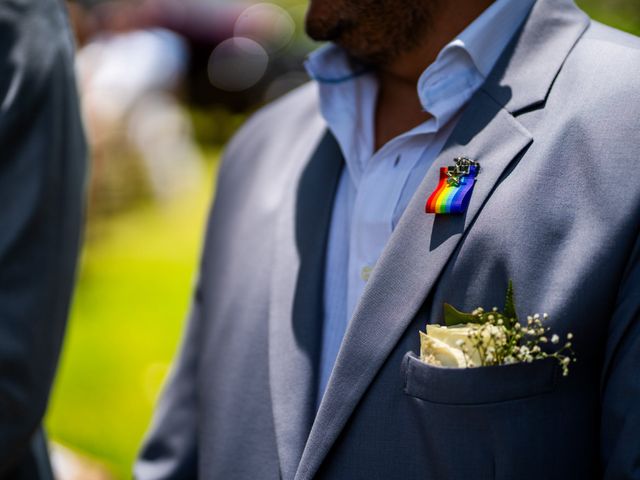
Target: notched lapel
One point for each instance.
(409, 267)
(295, 315)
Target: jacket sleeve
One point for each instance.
(620, 437)
(42, 170)
(170, 448)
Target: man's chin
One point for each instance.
(364, 53)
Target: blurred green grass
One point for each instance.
(127, 316)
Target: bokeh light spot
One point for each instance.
(237, 64)
(268, 24)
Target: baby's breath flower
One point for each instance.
(495, 339)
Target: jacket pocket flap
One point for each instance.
(468, 386)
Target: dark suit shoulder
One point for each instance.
(36, 52)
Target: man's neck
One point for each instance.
(398, 107)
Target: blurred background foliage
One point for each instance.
(164, 84)
(622, 14)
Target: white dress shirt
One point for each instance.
(376, 186)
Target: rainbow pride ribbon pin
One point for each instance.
(453, 193)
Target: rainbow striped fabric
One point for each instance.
(449, 198)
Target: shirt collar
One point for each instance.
(488, 35)
(330, 64)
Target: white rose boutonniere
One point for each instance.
(485, 338)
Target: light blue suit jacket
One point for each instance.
(556, 208)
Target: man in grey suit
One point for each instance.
(42, 172)
(320, 264)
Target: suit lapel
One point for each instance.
(295, 315)
(409, 267)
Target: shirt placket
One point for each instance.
(376, 201)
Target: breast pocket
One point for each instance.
(471, 386)
(484, 423)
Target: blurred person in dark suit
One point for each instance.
(42, 173)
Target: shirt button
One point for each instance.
(365, 273)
